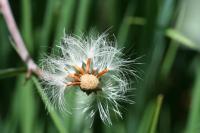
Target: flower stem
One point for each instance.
(15, 34)
(156, 113)
(11, 72)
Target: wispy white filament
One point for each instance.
(115, 84)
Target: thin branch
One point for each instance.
(20, 46)
(10, 72)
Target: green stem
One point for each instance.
(11, 72)
(169, 59)
(156, 114)
(194, 114)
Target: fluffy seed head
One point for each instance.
(89, 63)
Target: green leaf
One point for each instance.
(179, 37)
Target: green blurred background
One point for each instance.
(164, 33)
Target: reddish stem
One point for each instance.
(88, 65)
(102, 73)
(20, 46)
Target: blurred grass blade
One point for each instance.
(27, 24)
(27, 104)
(125, 25)
(4, 43)
(193, 125)
(149, 120)
(40, 127)
(156, 114)
(146, 120)
(177, 36)
(11, 72)
(136, 21)
(173, 46)
(23, 108)
(82, 16)
(65, 18)
(51, 7)
(26, 97)
(165, 120)
(155, 41)
(112, 11)
(169, 59)
(12, 121)
(54, 115)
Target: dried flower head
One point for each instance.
(97, 68)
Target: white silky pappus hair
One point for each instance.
(97, 56)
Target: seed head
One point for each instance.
(97, 68)
(89, 82)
